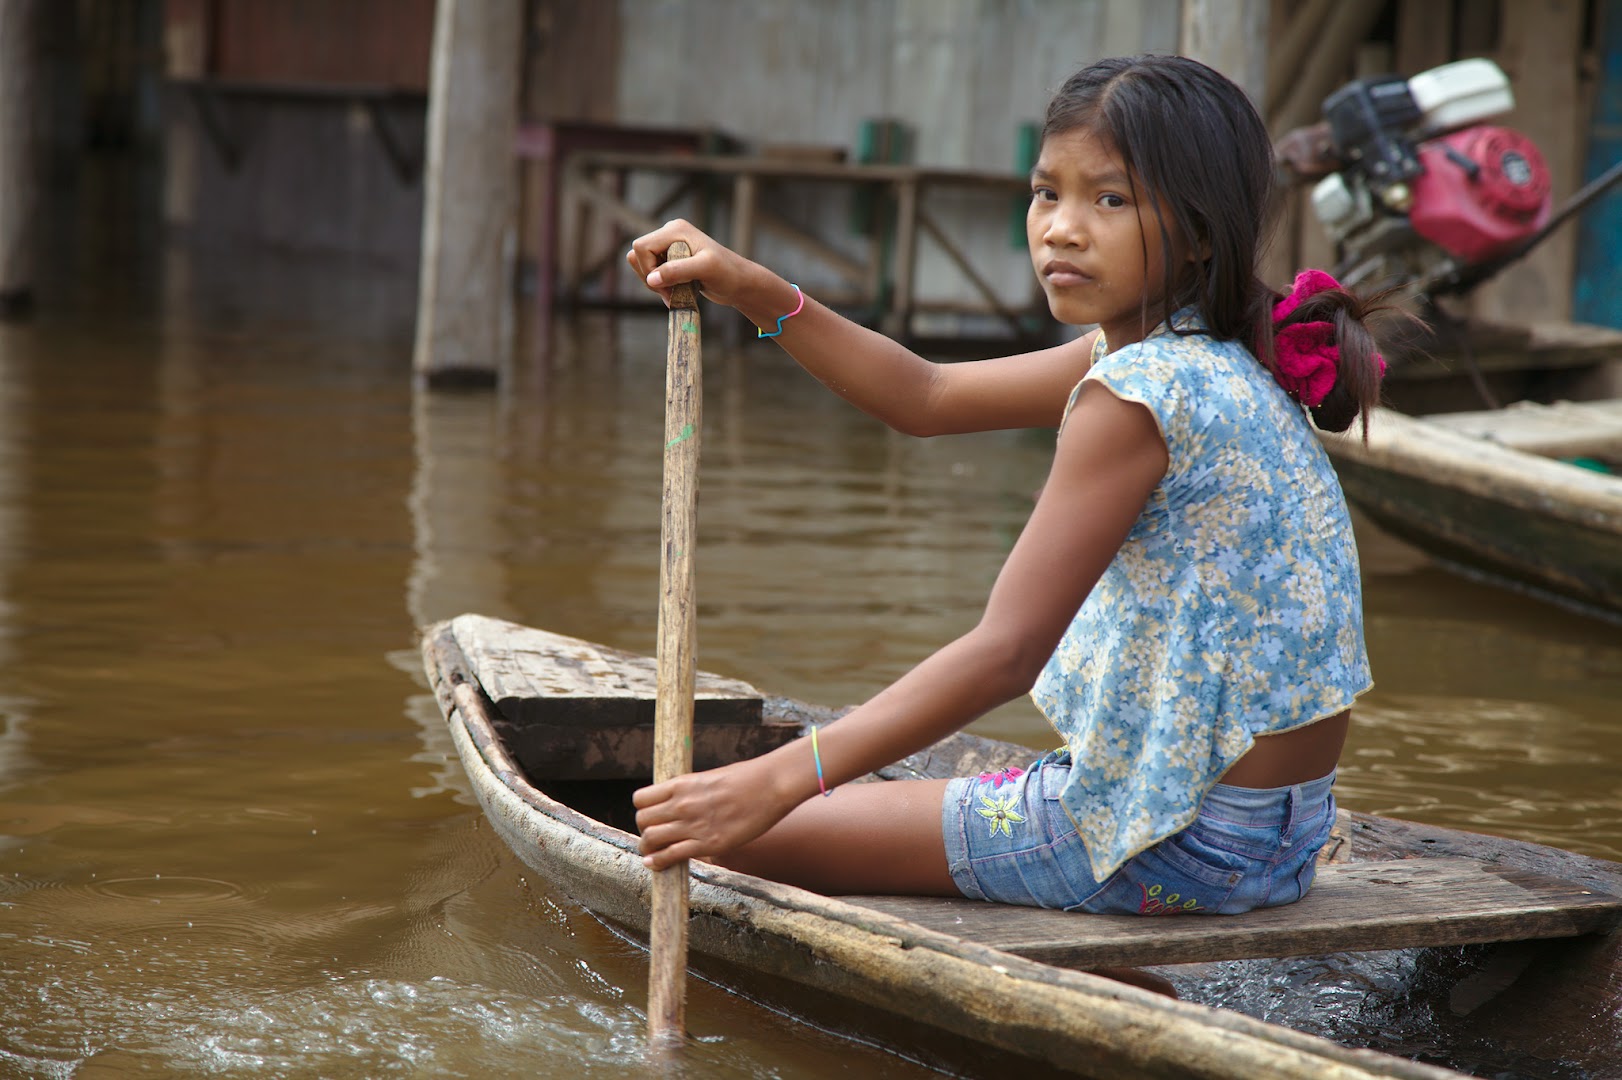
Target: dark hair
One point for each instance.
(1196, 143)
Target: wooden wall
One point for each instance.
(297, 124)
(329, 42)
(572, 61)
(1541, 47)
(963, 75)
(966, 73)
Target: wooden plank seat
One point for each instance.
(1395, 904)
(573, 710)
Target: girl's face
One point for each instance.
(1095, 240)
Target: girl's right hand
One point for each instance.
(721, 274)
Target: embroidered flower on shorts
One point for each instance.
(999, 811)
(1002, 776)
(1154, 904)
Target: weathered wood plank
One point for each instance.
(1561, 429)
(468, 195)
(1551, 1007)
(1424, 36)
(573, 710)
(1445, 460)
(533, 676)
(1540, 46)
(1397, 904)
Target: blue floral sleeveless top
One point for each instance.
(1234, 608)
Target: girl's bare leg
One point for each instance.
(882, 837)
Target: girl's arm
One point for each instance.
(1106, 468)
(864, 367)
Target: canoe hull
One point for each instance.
(1068, 1020)
(1063, 1019)
(1512, 516)
(1558, 559)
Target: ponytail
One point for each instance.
(1316, 343)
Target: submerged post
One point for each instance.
(673, 703)
(20, 105)
(465, 294)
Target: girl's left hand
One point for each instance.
(704, 814)
(722, 275)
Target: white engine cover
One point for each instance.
(1459, 94)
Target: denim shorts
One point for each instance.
(1009, 840)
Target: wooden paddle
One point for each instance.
(673, 704)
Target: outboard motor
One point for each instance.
(1422, 187)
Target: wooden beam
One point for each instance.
(615, 255)
(1478, 27)
(1539, 41)
(849, 268)
(745, 192)
(20, 105)
(1328, 66)
(953, 252)
(1424, 35)
(580, 188)
(1231, 36)
(465, 296)
(1292, 50)
(898, 322)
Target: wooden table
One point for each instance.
(593, 182)
(548, 145)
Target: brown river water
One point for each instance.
(232, 839)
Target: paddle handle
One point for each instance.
(673, 705)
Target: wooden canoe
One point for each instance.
(1513, 947)
(1493, 493)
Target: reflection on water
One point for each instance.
(233, 839)
(1494, 712)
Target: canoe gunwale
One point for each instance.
(1521, 479)
(1489, 510)
(1023, 1006)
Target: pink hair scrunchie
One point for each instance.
(1308, 358)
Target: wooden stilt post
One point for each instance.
(20, 105)
(1231, 36)
(677, 647)
(1328, 64)
(1539, 45)
(464, 302)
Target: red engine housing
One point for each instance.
(1475, 215)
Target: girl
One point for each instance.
(1184, 604)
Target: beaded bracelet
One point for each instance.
(759, 333)
(816, 756)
